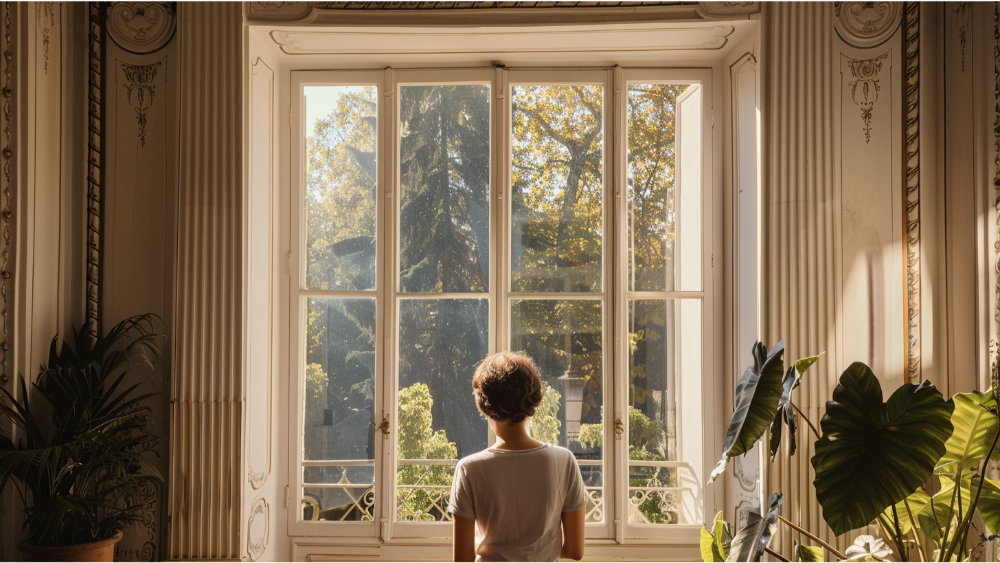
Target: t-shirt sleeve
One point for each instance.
(460, 503)
(575, 495)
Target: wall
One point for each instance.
(42, 209)
(878, 243)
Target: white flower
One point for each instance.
(867, 548)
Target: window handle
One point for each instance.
(619, 427)
(384, 427)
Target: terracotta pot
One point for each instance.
(101, 550)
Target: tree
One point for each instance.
(559, 220)
(545, 424)
(418, 440)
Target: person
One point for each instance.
(523, 500)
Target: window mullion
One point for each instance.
(500, 198)
(619, 379)
(388, 337)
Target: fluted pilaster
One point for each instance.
(207, 395)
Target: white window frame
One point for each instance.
(614, 79)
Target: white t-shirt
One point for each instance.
(517, 498)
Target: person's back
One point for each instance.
(525, 497)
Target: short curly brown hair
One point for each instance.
(507, 387)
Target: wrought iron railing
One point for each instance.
(423, 496)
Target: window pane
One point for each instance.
(664, 387)
(444, 160)
(340, 187)
(339, 409)
(564, 337)
(338, 493)
(557, 152)
(659, 234)
(440, 343)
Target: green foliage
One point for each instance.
(757, 395)
(750, 543)
(418, 440)
(873, 455)
(786, 409)
(545, 424)
(807, 553)
(715, 543)
(87, 469)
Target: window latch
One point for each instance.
(384, 427)
(619, 427)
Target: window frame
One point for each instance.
(614, 293)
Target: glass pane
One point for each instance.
(339, 409)
(444, 160)
(664, 388)
(564, 337)
(340, 187)
(664, 195)
(557, 153)
(338, 493)
(440, 343)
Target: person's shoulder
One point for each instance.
(475, 459)
(561, 453)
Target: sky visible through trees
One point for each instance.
(557, 238)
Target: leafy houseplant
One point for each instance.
(914, 465)
(81, 473)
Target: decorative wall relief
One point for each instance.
(964, 12)
(94, 173)
(866, 24)
(865, 88)
(141, 27)
(6, 198)
(260, 268)
(911, 194)
(258, 528)
(147, 551)
(46, 20)
(140, 92)
(996, 150)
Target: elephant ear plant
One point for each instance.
(914, 465)
(80, 458)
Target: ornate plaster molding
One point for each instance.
(963, 10)
(141, 27)
(45, 19)
(6, 203)
(996, 149)
(865, 87)
(867, 24)
(95, 176)
(258, 526)
(319, 11)
(911, 195)
(140, 92)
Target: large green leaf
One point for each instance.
(750, 542)
(989, 505)
(786, 412)
(715, 544)
(807, 553)
(975, 429)
(873, 455)
(757, 395)
(910, 506)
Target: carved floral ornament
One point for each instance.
(141, 27)
(865, 88)
(139, 91)
(867, 24)
(258, 528)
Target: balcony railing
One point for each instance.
(423, 495)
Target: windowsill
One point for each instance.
(439, 549)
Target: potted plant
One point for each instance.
(915, 465)
(80, 457)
